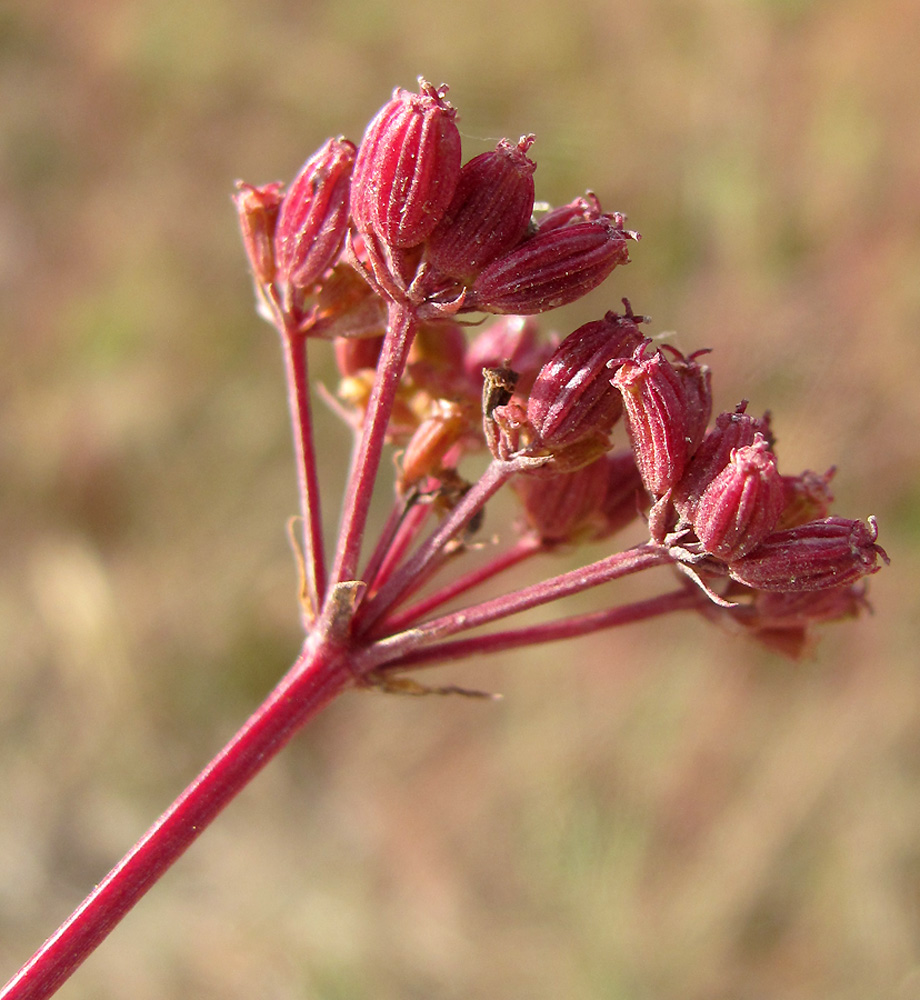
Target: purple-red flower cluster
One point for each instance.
(422, 227)
(400, 221)
(715, 497)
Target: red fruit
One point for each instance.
(553, 268)
(813, 556)
(572, 398)
(313, 218)
(741, 506)
(489, 213)
(407, 167)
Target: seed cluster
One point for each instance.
(399, 227)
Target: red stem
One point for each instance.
(401, 327)
(406, 514)
(313, 681)
(523, 549)
(612, 568)
(402, 541)
(403, 580)
(295, 368)
(565, 628)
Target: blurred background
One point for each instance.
(664, 813)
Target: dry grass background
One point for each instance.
(663, 814)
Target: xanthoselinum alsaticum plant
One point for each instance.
(392, 252)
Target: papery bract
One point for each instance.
(257, 208)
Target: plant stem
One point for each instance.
(404, 508)
(535, 635)
(403, 539)
(403, 580)
(524, 548)
(315, 679)
(612, 568)
(401, 327)
(294, 348)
